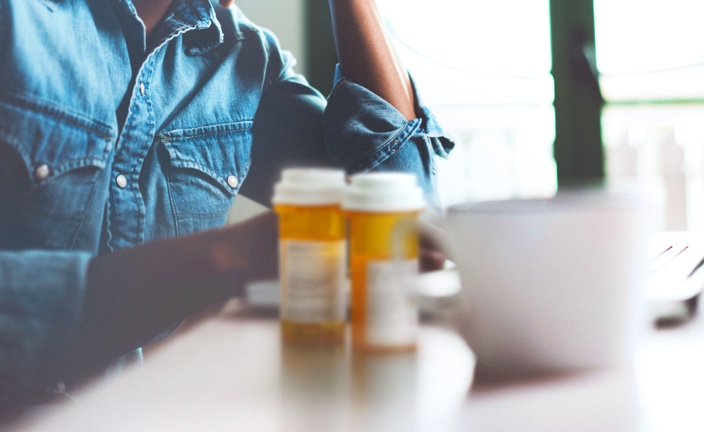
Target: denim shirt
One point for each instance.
(109, 139)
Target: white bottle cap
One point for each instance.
(310, 187)
(384, 192)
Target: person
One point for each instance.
(127, 129)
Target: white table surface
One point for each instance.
(662, 392)
(231, 373)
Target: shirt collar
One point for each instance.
(199, 16)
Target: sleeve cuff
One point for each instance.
(41, 295)
(362, 129)
(364, 132)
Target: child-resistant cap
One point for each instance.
(310, 187)
(384, 192)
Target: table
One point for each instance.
(662, 392)
(231, 372)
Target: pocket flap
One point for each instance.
(219, 151)
(52, 141)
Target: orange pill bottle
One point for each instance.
(313, 255)
(383, 210)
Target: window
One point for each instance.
(484, 68)
(652, 77)
(495, 93)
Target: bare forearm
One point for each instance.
(136, 294)
(366, 54)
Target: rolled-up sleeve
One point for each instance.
(41, 294)
(354, 129)
(364, 132)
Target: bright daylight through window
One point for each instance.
(484, 68)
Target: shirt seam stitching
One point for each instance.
(166, 136)
(58, 112)
(408, 129)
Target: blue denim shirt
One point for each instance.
(109, 140)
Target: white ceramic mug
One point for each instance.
(550, 285)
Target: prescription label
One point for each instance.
(392, 306)
(313, 280)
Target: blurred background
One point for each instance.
(540, 93)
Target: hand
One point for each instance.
(226, 3)
(136, 294)
(432, 254)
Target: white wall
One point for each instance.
(285, 18)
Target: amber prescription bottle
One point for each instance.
(383, 211)
(313, 255)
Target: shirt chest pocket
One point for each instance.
(207, 166)
(50, 165)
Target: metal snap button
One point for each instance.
(232, 181)
(395, 145)
(42, 172)
(121, 181)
